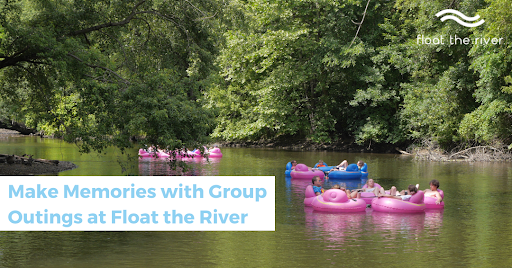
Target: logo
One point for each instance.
(456, 19)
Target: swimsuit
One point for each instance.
(406, 197)
(317, 189)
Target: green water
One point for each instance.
(474, 230)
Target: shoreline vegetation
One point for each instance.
(426, 151)
(28, 165)
(431, 151)
(316, 75)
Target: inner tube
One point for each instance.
(350, 173)
(162, 154)
(215, 152)
(414, 205)
(327, 168)
(159, 154)
(336, 200)
(288, 169)
(144, 153)
(190, 154)
(310, 195)
(430, 202)
(302, 171)
(369, 196)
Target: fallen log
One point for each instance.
(402, 152)
(459, 154)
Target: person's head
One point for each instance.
(320, 162)
(434, 184)
(360, 164)
(316, 181)
(294, 163)
(336, 186)
(412, 189)
(370, 183)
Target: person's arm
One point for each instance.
(439, 198)
(390, 196)
(317, 191)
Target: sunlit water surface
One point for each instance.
(475, 228)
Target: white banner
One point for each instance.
(126, 203)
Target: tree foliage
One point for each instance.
(99, 72)
(302, 68)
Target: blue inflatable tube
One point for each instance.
(288, 169)
(325, 169)
(351, 173)
(320, 167)
(349, 184)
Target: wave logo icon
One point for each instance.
(459, 21)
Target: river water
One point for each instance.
(474, 229)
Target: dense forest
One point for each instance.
(180, 73)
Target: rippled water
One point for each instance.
(475, 228)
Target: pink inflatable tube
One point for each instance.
(368, 197)
(335, 200)
(215, 152)
(310, 195)
(145, 153)
(302, 171)
(430, 202)
(189, 154)
(414, 205)
(162, 154)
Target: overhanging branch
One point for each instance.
(100, 67)
(110, 24)
(360, 23)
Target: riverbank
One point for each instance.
(426, 151)
(481, 153)
(35, 169)
(305, 145)
(18, 165)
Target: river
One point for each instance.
(474, 229)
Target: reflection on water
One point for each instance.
(338, 229)
(473, 230)
(393, 225)
(197, 166)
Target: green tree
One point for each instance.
(99, 72)
(493, 63)
(295, 68)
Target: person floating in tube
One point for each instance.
(317, 185)
(294, 164)
(344, 164)
(432, 192)
(342, 187)
(404, 195)
(370, 188)
(320, 164)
